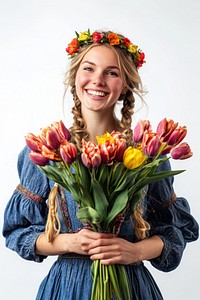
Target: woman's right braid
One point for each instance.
(78, 129)
(126, 120)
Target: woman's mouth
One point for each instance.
(96, 93)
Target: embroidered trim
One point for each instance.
(28, 194)
(64, 209)
(169, 202)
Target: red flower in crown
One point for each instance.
(126, 42)
(97, 37)
(72, 47)
(140, 61)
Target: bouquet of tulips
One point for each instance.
(108, 178)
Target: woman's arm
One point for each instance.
(78, 242)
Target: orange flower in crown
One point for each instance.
(111, 38)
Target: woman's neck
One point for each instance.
(99, 122)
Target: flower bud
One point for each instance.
(181, 151)
(68, 152)
(38, 158)
(133, 158)
(151, 143)
(139, 130)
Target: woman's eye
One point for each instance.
(87, 69)
(112, 73)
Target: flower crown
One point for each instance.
(86, 38)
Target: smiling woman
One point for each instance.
(104, 70)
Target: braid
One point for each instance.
(78, 129)
(126, 120)
(141, 226)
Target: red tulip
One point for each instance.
(68, 152)
(90, 154)
(181, 151)
(33, 142)
(108, 152)
(62, 130)
(50, 138)
(139, 130)
(38, 158)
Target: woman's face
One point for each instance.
(98, 79)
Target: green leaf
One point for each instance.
(88, 214)
(84, 174)
(100, 200)
(118, 206)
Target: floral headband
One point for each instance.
(86, 38)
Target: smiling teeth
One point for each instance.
(96, 93)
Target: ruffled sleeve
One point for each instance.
(170, 219)
(26, 212)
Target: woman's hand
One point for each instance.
(80, 242)
(114, 250)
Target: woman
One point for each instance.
(103, 71)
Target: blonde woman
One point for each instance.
(104, 70)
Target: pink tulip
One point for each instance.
(33, 142)
(181, 151)
(90, 154)
(151, 143)
(177, 136)
(68, 152)
(38, 158)
(139, 130)
(165, 129)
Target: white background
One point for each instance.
(33, 38)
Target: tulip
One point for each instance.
(133, 158)
(151, 143)
(50, 154)
(177, 136)
(181, 151)
(50, 138)
(108, 152)
(68, 152)
(62, 130)
(33, 142)
(121, 147)
(38, 158)
(165, 128)
(90, 156)
(139, 130)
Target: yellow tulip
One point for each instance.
(133, 158)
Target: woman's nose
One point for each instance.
(99, 79)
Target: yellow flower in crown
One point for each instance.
(132, 48)
(84, 36)
(106, 137)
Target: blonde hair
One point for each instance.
(133, 84)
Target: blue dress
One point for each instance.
(70, 278)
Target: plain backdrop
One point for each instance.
(33, 38)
